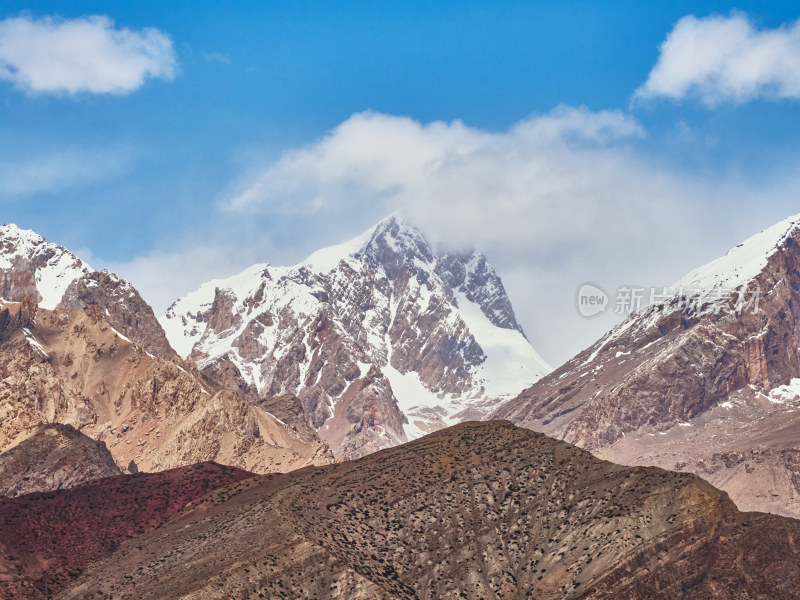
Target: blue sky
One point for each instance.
(264, 100)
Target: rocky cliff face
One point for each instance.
(54, 277)
(705, 379)
(73, 367)
(54, 457)
(382, 338)
(123, 308)
(479, 510)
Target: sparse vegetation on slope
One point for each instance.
(479, 510)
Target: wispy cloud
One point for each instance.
(216, 57)
(51, 55)
(722, 59)
(59, 170)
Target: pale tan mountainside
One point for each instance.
(72, 367)
(475, 511)
(54, 457)
(693, 383)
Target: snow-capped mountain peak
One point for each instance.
(31, 264)
(741, 264)
(383, 337)
(55, 278)
(390, 244)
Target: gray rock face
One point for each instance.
(473, 276)
(382, 339)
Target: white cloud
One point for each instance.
(373, 155)
(721, 59)
(556, 200)
(89, 54)
(568, 167)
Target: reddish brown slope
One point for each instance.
(47, 538)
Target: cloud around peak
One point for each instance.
(726, 59)
(394, 159)
(555, 200)
(52, 55)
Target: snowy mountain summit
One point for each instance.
(31, 265)
(382, 338)
(54, 278)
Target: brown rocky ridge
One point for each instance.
(704, 380)
(475, 511)
(81, 347)
(54, 457)
(73, 367)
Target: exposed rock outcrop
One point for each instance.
(54, 457)
(122, 307)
